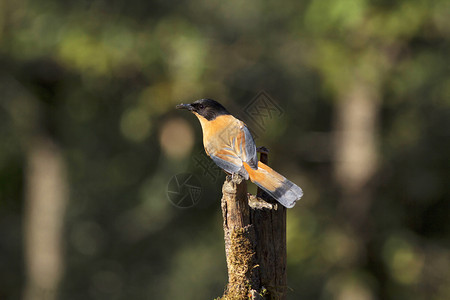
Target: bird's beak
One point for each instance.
(184, 106)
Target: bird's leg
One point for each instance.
(237, 178)
(262, 149)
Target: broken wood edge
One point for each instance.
(256, 202)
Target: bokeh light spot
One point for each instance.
(176, 138)
(403, 260)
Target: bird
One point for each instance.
(229, 143)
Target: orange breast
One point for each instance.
(218, 133)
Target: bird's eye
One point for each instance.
(200, 106)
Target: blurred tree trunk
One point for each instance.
(356, 158)
(45, 202)
(45, 196)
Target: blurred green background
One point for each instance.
(89, 140)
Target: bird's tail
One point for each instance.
(283, 190)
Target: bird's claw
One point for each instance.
(236, 178)
(262, 149)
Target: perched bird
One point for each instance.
(229, 143)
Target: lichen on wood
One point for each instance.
(239, 240)
(255, 243)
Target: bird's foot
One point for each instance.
(236, 178)
(262, 149)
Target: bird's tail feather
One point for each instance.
(283, 190)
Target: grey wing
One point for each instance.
(245, 147)
(227, 160)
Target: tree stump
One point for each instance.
(255, 242)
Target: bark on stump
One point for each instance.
(255, 242)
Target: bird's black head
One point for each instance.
(207, 108)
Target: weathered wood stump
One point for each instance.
(255, 242)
